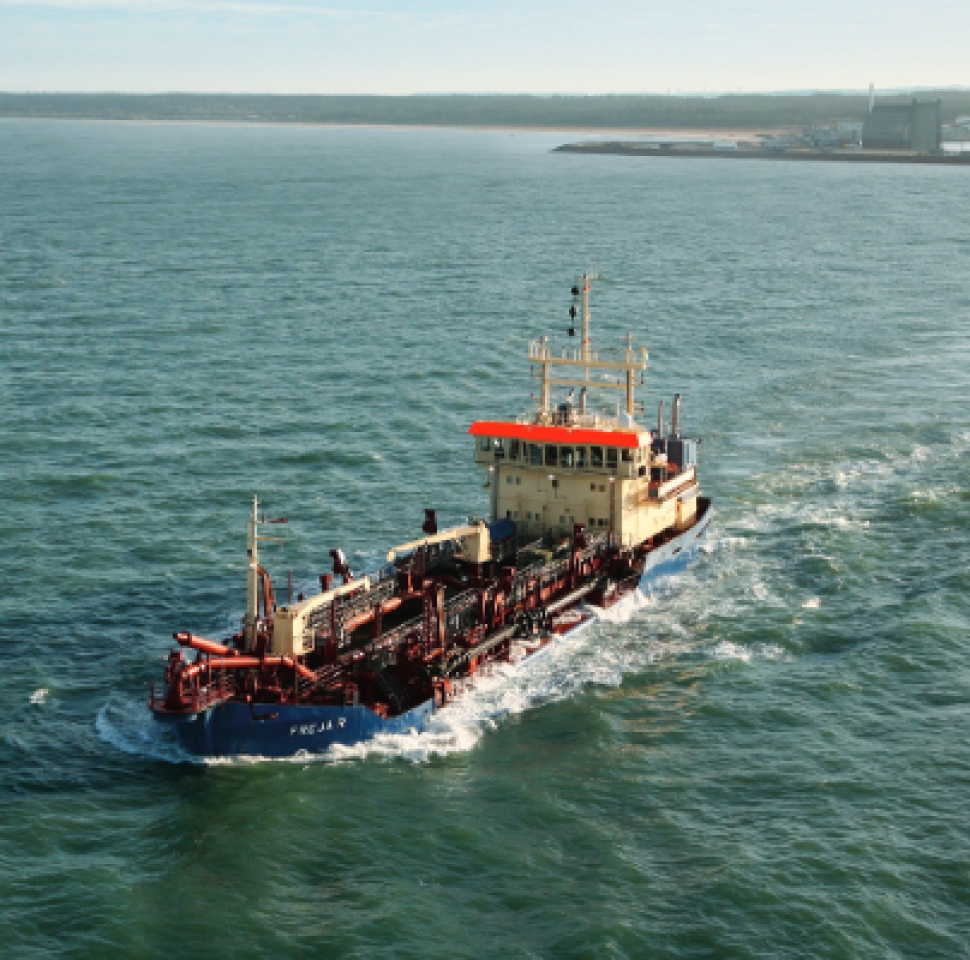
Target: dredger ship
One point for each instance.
(585, 507)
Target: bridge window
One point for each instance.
(628, 456)
(566, 456)
(552, 455)
(535, 455)
(514, 450)
(596, 456)
(499, 448)
(611, 458)
(485, 444)
(580, 458)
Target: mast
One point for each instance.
(252, 577)
(629, 374)
(634, 360)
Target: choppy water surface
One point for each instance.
(771, 759)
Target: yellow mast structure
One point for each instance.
(634, 361)
(253, 537)
(252, 577)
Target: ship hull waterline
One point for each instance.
(268, 730)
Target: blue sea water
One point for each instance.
(770, 758)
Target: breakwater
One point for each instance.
(634, 149)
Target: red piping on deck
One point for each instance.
(205, 646)
(246, 663)
(367, 615)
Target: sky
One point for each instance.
(500, 46)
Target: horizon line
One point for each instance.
(705, 94)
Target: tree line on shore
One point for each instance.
(619, 111)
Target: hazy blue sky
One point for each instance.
(418, 46)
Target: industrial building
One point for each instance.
(904, 126)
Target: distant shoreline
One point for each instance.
(590, 131)
(727, 115)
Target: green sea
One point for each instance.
(768, 758)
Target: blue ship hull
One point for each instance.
(283, 730)
(675, 555)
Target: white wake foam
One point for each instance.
(130, 728)
(626, 608)
(728, 650)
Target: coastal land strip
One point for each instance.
(619, 112)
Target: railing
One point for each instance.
(195, 699)
(540, 351)
(592, 548)
(322, 678)
(358, 604)
(394, 636)
(461, 602)
(670, 488)
(352, 604)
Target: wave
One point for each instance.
(128, 726)
(728, 650)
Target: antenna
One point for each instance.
(634, 359)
